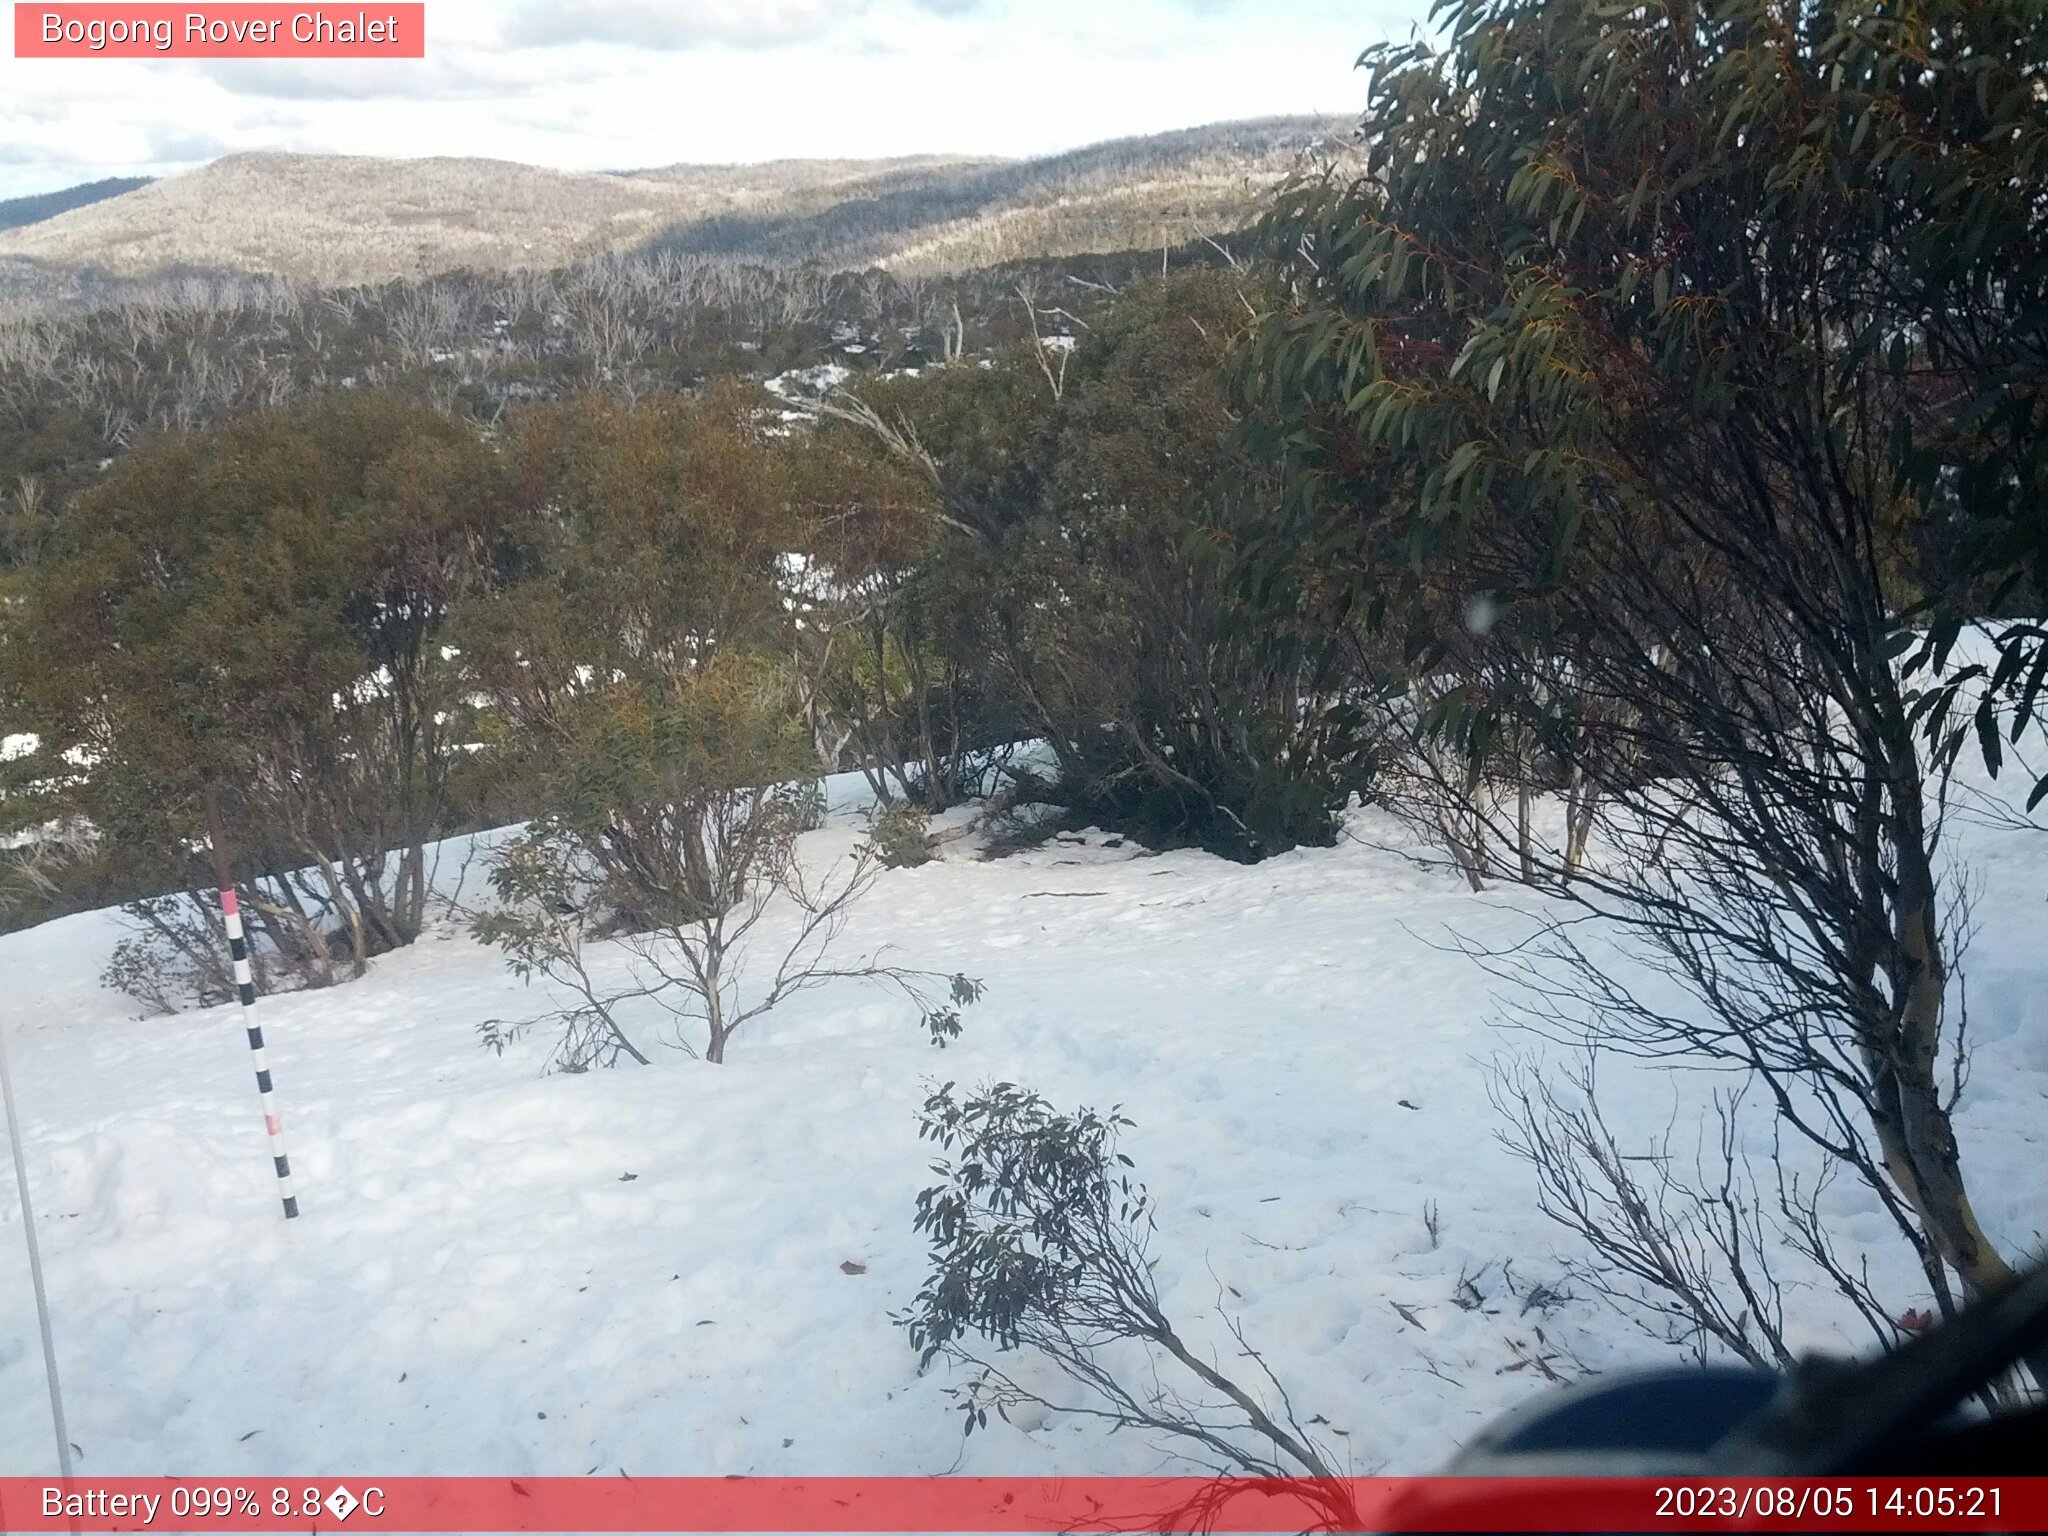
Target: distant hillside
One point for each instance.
(1127, 194)
(344, 219)
(347, 219)
(17, 211)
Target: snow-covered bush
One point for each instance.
(898, 836)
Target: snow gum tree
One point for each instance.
(1089, 501)
(640, 679)
(263, 606)
(1639, 329)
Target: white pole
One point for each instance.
(35, 1263)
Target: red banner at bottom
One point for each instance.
(1011, 1504)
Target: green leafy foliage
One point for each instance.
(1582, 229)
(642, 674)
(942, 1019)
(897, 834)
(262, 607)
(1663, 367)
(1030, 1204)
(1090, 501)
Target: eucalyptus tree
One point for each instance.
(261, 608)
(1668, 339)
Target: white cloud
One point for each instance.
(667, 25)
(640, 83)
(437, 79)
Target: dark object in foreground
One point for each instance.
(1898, 1415)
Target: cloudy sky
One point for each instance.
(617, 84)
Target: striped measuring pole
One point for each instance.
(245, 989)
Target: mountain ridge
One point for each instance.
(340, 219)
(16, 212)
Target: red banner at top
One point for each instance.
(235, 31)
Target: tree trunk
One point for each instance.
(1915, 1132)
(714, 1007)
(1523, 843)
(1580, 802)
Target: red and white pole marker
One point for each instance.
(245, 989)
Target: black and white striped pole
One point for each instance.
(245, 989)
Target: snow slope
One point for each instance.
(478, 1285)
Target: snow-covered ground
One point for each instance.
(647, 1269)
